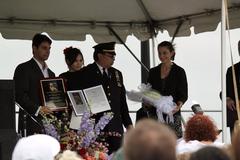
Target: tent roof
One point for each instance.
(73, 19)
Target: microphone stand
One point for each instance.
(183, 121)
(25, 114)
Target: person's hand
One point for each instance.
(231, 104)
(129, 127)
(176, 109)
(146, 104)
(45, 110)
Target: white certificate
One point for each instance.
(96, 99)
(75, 121)
(78, 101)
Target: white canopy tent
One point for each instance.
(73, 19)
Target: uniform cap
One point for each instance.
(105, 47)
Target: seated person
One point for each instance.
(68, 155)
(234, 148)
(211, 153)
(200, 131)
(149, 140)
(36, 147)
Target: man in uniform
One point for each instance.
(27, 78)
(231, 103)
(102, 73)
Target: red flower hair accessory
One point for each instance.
(66, 50)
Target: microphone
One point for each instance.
(196, 108)
(24, 118)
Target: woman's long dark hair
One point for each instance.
(169, 46)
(71, 55)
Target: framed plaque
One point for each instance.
(53, 93)
(78, 102)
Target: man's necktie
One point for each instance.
(105, 77)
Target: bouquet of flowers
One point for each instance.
(88, 141)
(163, 104)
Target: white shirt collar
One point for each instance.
(44, 69)
(101, 68)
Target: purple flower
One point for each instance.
(87, 139)
(51, 130)
(104, 120)
(88, 130)
(86, 123)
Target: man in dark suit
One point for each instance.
(231, 104)
(27, 78)
(101, 73)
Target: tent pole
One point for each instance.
(223, 70)
(145, 58)
(148, 17)
(177, 30)
(154, 51)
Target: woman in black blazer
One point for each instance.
(170, 79)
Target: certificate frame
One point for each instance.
(96, 99)
(78, 101)
(53, 93)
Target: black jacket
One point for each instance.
(175, 84)
(232, 115)
(90, 76)
(27, 78)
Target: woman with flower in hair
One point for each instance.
(74, 60)
(200, 131)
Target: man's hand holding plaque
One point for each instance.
(45, 110)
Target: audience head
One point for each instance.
(209, 152)
(184, 156)
(104, 54)
(74, 58)
(166, 49)
(201, 128)
(236, 141)
(41, 45)
(36, 147)
(68, 155)
(150, 140)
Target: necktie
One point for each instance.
(105, 77)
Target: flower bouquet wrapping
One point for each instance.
(88, 141)
(163, 104)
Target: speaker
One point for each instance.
(8, 139)
(8, 136)
(7, 105)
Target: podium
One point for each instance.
(8, 139)
(8, 136)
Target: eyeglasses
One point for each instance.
(110, 55)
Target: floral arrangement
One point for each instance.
(88, 141)
(163, 104)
